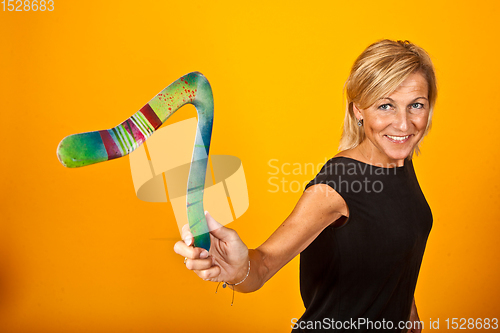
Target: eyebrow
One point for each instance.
(390, 99)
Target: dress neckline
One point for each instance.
(373, 165)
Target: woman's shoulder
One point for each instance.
(342, 159)
(348, 154)
(342, 166)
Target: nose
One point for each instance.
(401, 121)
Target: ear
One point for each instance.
(357, 112)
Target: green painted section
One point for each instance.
(82, 149)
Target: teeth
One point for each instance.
(398, 138)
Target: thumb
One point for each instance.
(217, 229)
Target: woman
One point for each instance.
(362, 223)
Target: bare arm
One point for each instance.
(318, 207)
(414, 318)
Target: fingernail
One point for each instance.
(204, 254)
(188, 241)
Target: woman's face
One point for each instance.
(395, 123)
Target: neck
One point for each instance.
(371, 155)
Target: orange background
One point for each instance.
(80, 253)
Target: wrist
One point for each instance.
(242, 276)
(240, 271)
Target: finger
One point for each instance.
(212, 223)
(210, 274)
(185, 229)
(217, 229)
(186, 235)
(182, 249)
(199, 264)
(190, 252)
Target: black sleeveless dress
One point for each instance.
(361, 276)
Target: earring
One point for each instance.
(360, 122)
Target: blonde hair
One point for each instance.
(376, 73)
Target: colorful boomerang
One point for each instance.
(83, 149)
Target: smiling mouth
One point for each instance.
(397, 139)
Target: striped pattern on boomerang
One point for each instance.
(83, 149)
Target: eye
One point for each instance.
(417, 106)
(385, 107)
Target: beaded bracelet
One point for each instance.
(234, 284)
